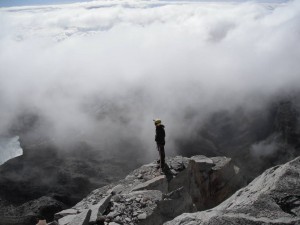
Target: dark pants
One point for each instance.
(161, 150)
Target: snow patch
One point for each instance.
(9, 148)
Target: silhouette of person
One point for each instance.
(160, 141)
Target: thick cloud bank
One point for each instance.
(101, 71)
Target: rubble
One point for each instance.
(146, 197)
(98, 209)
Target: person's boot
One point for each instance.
(162, 168)
(157, 164)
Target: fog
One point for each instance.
(99, 72)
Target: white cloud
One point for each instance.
(104, 69)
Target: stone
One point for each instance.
(65, 213)
(272, 198)
(117, 189)
(203, 163)
(112, 214)
(82, 218)
(158, 183)
(116, 198)
(99, 208)
(206, 182)
(189, 184)
(174, 172)
(178, 163)
(176, 203)
(142, 216)
(66, 220)
(130, 177)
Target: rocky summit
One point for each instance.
(149, 196)
(272, 198)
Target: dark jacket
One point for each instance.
(160, 134)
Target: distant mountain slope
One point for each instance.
(263, 137)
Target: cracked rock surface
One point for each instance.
(273, 198)
(147, 196)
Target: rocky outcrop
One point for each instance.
(273, 198)
(147, 196)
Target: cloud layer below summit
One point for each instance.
(101, 71)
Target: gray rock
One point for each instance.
(118, 219)
(117, 189)
(66, 220)
(203, 163)
(130, 177)
(112, 214)
(142, 216)
(188, 183)
(178, 163)
(99, 208)
(208, 182)
(65, 213)
(272, 198)
(116, 198)
(82, 218)
(158, 183)
(176, 203)
(220, 162)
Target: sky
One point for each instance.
(101, 71)
(9, 3)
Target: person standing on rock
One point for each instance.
(160, 141)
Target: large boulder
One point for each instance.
(272, 198)
(147, 197)
(209, 181)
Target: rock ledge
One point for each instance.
(148, 197)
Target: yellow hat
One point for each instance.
(157, 121)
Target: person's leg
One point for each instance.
(158, 160)
(161, 155)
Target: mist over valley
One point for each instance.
(81, 83)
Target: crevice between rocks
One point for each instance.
(288, 203)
